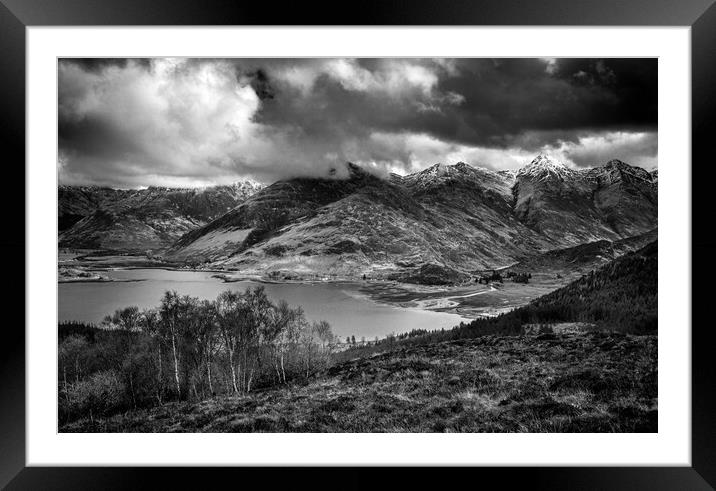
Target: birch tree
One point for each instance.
(227, 312)
(170, 315)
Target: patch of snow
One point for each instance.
(543, 168)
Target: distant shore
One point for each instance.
(469, 300)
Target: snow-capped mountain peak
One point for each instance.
(436, 170)
(440, 171)
(543, 167)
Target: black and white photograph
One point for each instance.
(357, 245)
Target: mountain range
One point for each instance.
(457, 217)
(92, 217)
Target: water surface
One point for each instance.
(348, 312)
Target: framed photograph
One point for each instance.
(443, 235)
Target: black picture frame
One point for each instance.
(700, 15)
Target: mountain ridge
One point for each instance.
(454, 216)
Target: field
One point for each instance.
(568, 382)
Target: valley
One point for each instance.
(420, 241)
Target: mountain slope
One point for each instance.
(76, 202)
(610, 202)
(137, 220)
(584, 257)
(625, 195)
(364, 223)
(452, 216)
(621, 295)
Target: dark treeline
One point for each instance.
(186, 349)
(620, 296)
(70, 328)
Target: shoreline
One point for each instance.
(96, 280)
(414, 297)
(467, 300)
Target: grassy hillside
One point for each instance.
(596, 382)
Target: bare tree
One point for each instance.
(170, 314)
(200, 336)
(70, 352)
(192, 347)
(228, 311)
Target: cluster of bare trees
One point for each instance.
(189, 348)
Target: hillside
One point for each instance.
(360, 225)
(455, 217)
(138, 220)
(609, 202)
(581, 259)
(626, 196)
(558, 202)
(76, 202)
(621, 295)
(596, 382)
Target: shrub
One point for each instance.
(99, 394)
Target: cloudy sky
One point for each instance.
(195, 122)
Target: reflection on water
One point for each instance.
(339, 304)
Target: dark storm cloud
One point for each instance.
(173, 121)
(632, 83)
(508, 98)
(96, 65)
(501, 99)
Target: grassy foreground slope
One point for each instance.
(595, 382)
